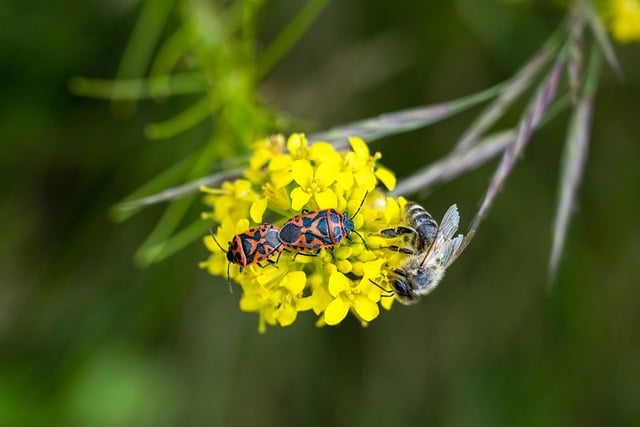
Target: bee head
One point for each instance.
(404, 292)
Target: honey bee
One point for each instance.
(433, 249)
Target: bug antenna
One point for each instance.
(362, 238)
(216, 240)
(361, 203)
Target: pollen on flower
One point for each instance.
(283, 179)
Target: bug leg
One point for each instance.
(306, 254)
(268, 263)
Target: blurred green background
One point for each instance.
(88, 339)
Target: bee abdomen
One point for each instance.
(421, 221)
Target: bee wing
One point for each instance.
(442, 244)
(451, 250)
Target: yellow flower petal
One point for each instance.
(326, 199)
(296, 143)
(336, 311)
(257, 210)
(343, 252)
(366, 179)
(329, 268)
(260, 158)
(321, 297)
(250, 302)
(323, 152)
(387, 301)
(359, 147)
(366, 309)
(371, 269)
(326, 174)
(211, 245)
(294, 281)
(343, 265)
(243, 189)
(242, 226)
(386, 177)
(279, 163)
(338, 283)
(286, 315)
(278, 197)
(302, 172)
(299, 198)
(345, 180)
(306, 303)
(281, 179)
(391, 211)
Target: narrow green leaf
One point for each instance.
(151, 20)
(289, 36)
(183, 121)
(175, 212)
(138, 89)
(128, 208)
(175, 243)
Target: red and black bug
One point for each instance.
(318, 229)
(253, 246)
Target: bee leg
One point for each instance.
(399, 272)
(397, 232)
(388, 292)
(406, 251)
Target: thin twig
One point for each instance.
(403, 121)
(576, 39)
(527, 126)
(515, 87)
(179, 191)
(573, 164)
(601, 36)
(455, 164)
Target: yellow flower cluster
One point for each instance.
(624, 20)
(284, 177)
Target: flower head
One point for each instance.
(624, 20)
(282, 179)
